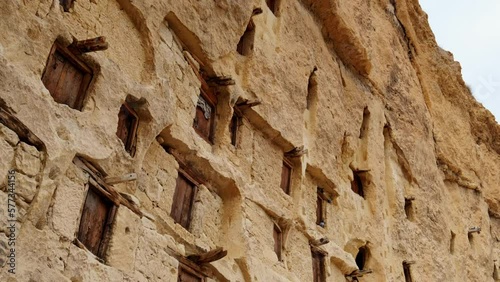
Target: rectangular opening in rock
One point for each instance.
(95, 224)
(320, 208)
(357, 184)
(204, 121)
(245, 45)
(233, 128)
(66, 77)
(318, 260)
(278, 241)
(128, 122)
(286, 176)
(182, 204)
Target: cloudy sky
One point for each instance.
(471, 31)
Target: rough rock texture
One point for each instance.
(384, 99)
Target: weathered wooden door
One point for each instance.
(93, 221)
(183, 201)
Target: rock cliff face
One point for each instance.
(399, 165)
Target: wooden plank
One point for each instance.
(187, 205)
(286, 174)
(106, 234)
(53, 69)
(120, 179)
(209, 256)
(89, 45)
(278, 241)
(178, 199)
(357, 185)
(93, 221)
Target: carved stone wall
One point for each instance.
(361, 85)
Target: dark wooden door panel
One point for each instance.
(53, 71)
(68, 87)
(202, 124)
(187, 205)
(178, 199)
(93, 221)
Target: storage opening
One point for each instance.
(183, 201)
(66, 77)
(245, 45)
(95, 224)
(128, 122)
(286, 176)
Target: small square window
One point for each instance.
(128, 122)
(318, 260)
(357, 184)
(188, 274)
(95, 224)
(182, 204)
(204, 121)
(286, 176)
(66, 77)
(278, 241)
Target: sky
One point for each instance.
(471, 31)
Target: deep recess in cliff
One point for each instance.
(227, 140)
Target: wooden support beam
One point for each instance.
(247, 104)
(319, 242)
(296, 152)
(96, 180)
(120, 179)
(221, 81)
(359, 273)
(324, 195)
(474, 230)
(209, 256)
(88, 45)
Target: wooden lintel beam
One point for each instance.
(247, 104)
(474, 230)
(209, 256)
(296, 152)
(319, 242)
(221, 81)
(359, 273)
(120, 179)
(88, 45)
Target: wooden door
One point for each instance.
(182, 203)
(66, 77)
(93, 221)
(318, 261)
(127, 128)
(320, 219)
(204, 118)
